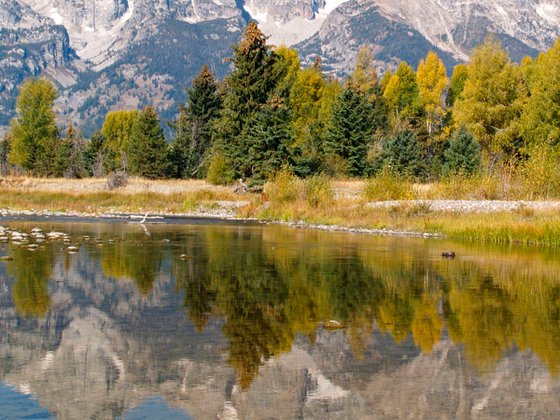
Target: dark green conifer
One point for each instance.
(193, 139)
(93, 155)
(250, 85)
(463, 154)
(75, 147)
(403, 156)
(147, 150)
(269, 140)
(350, 130)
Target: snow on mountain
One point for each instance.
(106, 54)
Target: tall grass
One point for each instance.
(387, 186)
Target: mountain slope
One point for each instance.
(110, 54)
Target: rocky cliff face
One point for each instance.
(30, 44)
(108, 54)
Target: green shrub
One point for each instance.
(388, 186)
(285, 187)
(219, 171)
(318, 191)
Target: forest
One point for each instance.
(491, 117)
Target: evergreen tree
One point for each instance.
(4, 153)
(463, 154)
(270, 138)
(350, 131)
(402, 155)
(35, 138)
(75, 148)
(93, 155)
(193, 139)
(147, 149)
(253, 80)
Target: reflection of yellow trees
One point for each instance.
(272, 284)
(427, 325)
(32, 272)
(483, 312)
(138, 261)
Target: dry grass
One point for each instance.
(315, 201)
(88, 185)
(92, 195)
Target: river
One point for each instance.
(204, 320)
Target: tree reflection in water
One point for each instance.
(270, 285)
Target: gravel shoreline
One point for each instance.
(472, 206)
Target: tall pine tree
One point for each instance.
(270, 137)
(94, 155)
(75, 148)
(350, 131)
(147, 149)
(192, 142)
(252, 82)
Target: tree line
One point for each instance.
(270, 113)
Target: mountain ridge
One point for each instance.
(111, 54)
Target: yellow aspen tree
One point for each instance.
(432, 83)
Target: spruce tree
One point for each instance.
(270, 138)
(193, 139)
(75, 145)
(350, 131)
(402, 155)
(93, 155)
(463, 154)
(147, 149)
(250, 85)
(4, 152)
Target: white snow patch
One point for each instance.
(332, 5)
(549, 12)
(54, 15)
(258, 15)
(295, 30)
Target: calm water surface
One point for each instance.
(201, 320)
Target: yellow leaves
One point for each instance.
(492, 99)
(427, 325)
(432, 83)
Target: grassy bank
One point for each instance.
(91, 196)
(316, 201)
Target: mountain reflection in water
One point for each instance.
(261, 321)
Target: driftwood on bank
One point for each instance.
(241, 188)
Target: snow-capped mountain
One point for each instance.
(109, 54)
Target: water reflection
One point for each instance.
(226, 320)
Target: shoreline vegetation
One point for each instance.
(318, 203)
(280, 139)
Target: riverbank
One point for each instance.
(344, 209)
